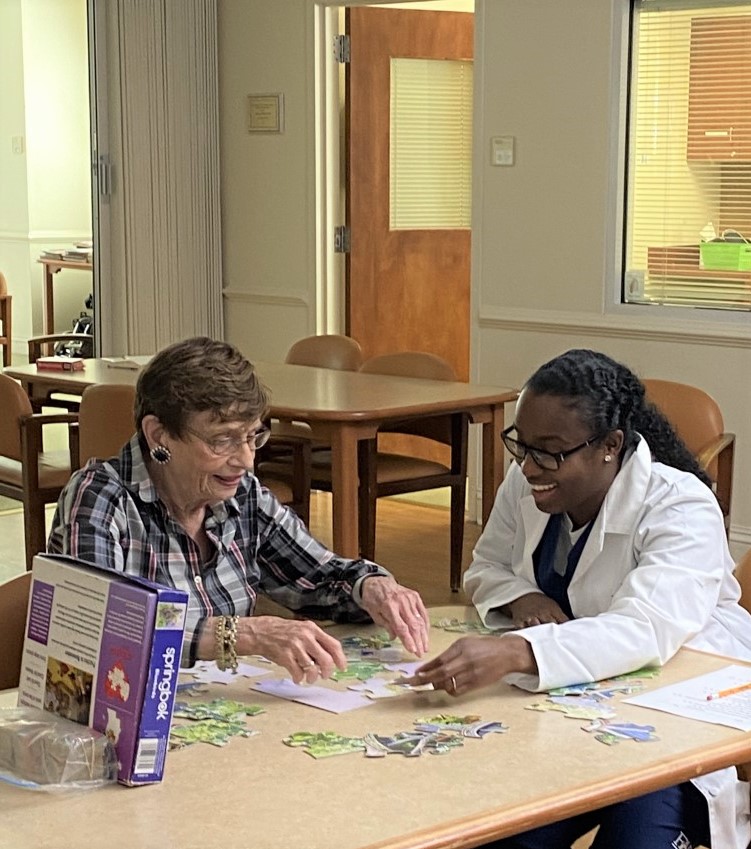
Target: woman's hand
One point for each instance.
(535, 609)
(300, 646)
(473, 662)
(399, 610)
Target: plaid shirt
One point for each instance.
(110, 514)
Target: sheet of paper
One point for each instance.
(335, 701)
(692, 698)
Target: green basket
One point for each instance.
(725, 256)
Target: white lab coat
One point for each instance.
(655, 574)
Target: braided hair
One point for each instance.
(607, 396)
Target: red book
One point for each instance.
(60, 363)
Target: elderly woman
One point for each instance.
(605, 552)
(180, 506)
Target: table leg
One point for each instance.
(492, 460)
(344, 482)
(49, 302)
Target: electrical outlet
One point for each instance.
(17, 144)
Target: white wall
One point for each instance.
(543, 265)
(46, 190)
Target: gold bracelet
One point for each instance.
(225, 637)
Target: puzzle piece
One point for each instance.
(324, 744)
(573, 712)
(467, 726)
(610, 733)
(218, 709)
(213, 731)
(380, 688)
(361, 669)
(411, 744)
(458, 626)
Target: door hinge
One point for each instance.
(103, 175)
(341, 48)
(341, 240)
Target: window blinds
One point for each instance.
(689, 163)
(430, 144)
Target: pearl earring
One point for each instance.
(608, 458)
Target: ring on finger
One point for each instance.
(453, 684)
(306, 666)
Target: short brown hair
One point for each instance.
(195, 375)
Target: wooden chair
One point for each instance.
(6, 339)
(44, 346)
(28, 473)
(326, 351)
(105, 423)
(384, 472)
(697, 419)
(14, 599)
(284, 463)
(292, 488)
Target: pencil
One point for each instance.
(731, 691)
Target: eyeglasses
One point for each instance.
(223, 446)
(544, 459)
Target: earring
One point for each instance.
(160, 454)
(608, 458)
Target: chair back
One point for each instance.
(694, 414)
(419, 364)
(743, 576)
(15, 405)
(328, 351)
(410, 364)
(697, 420)
(105, 421)
(14, 599)
(3, 284)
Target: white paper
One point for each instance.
(335, 701)
(690, 698)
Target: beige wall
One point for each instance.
(545, 229)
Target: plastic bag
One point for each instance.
(42, 751)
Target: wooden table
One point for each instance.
(258, 792)
(52, 267)
(341, 407)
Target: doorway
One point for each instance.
(411, 289)
(45, 172)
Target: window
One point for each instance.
(431, 144)
(688, 215)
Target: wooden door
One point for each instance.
(406, 289)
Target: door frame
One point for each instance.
(329, 160)
(328, 21)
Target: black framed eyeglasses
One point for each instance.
(223, 446)
(549, 460)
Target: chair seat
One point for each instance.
(281, 489)
(54, 470)
(390, 467)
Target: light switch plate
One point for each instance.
(502, 150)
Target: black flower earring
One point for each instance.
(160, 454)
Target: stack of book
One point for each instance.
(81, 252)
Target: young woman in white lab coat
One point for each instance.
(606, 550)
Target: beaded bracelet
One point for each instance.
(225, 635)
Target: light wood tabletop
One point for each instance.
(258, 792)
(343, 408)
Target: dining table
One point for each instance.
(342, 408)
(267, 791)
